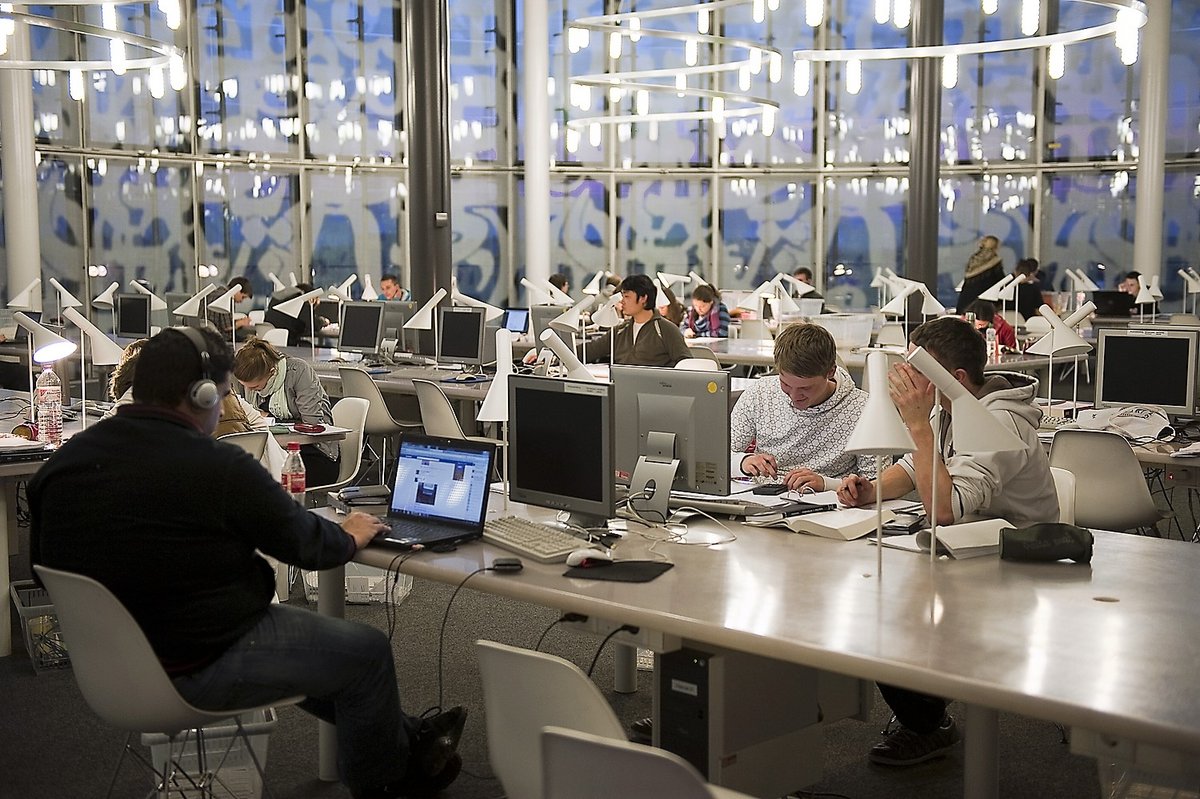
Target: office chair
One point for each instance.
(1110, 487)
(438, 416)
(276, 336)
(525, 691)
(254, 442)
(351, 413)
(699, 365)
(262, 328)
(123, 681)
(1064, 487)
(706, 353)
(576, 765)
(380, 422)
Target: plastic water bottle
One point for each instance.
(292, 476)
(993, 346)
(49, 407)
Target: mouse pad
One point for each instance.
(621, 571)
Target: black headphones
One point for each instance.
(202, 393)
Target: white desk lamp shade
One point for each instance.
(369, 293)
(660, 298)
(752, 300)
(1081, 313)
(490, 312)
(575, 368)
(930, 305)
(571, 320)
(975, 429)
(785, 303)
(191, 307)
(1191, 285)
(536, 292)
(671, 278)
(423, 318)
(29, 298)
(1062, 340)
(593, 285)
(293, 306)
(344, 286)
(1144, 294)
(66, 298)
(992, 292)
(275, 281)
(697, 280)
(606, 315)
(1089, 284)
(896, 305)
(958, 287)
(337, 294)
(1009, 292)
(105, 351)
(292, 279)
(225, 301)
(798, 285)
(1154, 289)
(157, 303)
(105, 298)
(494, 407)
(1194, 273)
(48, 347)
(557, 295)
(880, 430)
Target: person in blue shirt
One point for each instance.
(708, 316)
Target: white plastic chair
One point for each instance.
(276, 336)
(262, 328)
(438, 416)
(351, 413)
(1110, 487)
(122, 679)
(577, 765)
(254, 442)
(256, 315)
(1064, 487)
(380, 422)
(699, 365)
(524, 692)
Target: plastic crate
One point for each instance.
(1122, 781)
(236, 779)
(39, 626)
(364, 585)
(848, 330)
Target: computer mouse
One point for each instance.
(586, 558)
(464, 378)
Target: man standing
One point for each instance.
(178, 545)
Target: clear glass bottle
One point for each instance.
(49, 407)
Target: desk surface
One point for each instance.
(1109, 647)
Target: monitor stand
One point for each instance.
(653, 477)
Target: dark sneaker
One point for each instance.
(436, 741)
(907, 748)
(642, 731)
(418, 785)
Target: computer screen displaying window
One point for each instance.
(133, 315)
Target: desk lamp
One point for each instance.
(293, 307)
(593, 285)
(44, 347)
(898, 305)
(424, 318)
(341, 291)
(494, 407)
(557, 295)
(1087, 283)
(194, 305)
(571, 321)
(608, 317)
(1155, 291)
(538, 293)
(799, 286)
(781, 298)
(369, 293)
(105, 352)
(660, 297)
(992, 292)
(1191, 285)
(1144, 297)
(225, 303)
(276, 283)
(959, 285)
(879, 432)
(880, 282)
(65, 298)
(669, 279)
(105, 300)
(975, 430)
(1009, 293)
(157, 303)
(575, 368)
(490, 312)
(29, 298)
(929, 305)
(1062, 340)
(698, 281)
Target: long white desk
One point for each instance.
(1108, 647)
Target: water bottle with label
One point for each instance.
(993, 345)
(292, 476)
(49, 407)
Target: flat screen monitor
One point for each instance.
(361, 328)
(539, 319)
(1148, 365)
(674, 414)
(516, 320)
(561, 446)
(133, 315)
(460, 336)
(395, 314)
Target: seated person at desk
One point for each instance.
(1016, 486)
(645, 338)
(299, 327)
(708, 316)
(389, 286)
(224, 321)
(800, 418)
(986, 316)
(179, 550)
(1029, 294)
(120, 382)
(805, 275)
(288, 389)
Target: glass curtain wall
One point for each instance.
(281, 148)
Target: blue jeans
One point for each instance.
(344, 668)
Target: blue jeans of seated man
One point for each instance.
(344, 668)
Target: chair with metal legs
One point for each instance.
(380, 422)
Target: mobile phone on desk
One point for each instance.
(770, 489)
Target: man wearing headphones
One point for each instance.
(172, 521)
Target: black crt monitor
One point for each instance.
(133, 315)
(361, 328)
(516, 320)
(460, 336)
(560, 447)
(1148, 365)
(674, 432)
(395, 314)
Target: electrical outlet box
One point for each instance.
(643, 639)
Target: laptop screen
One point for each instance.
(438, 481)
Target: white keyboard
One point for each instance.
(1049, 422)
(529, 539)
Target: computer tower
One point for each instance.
(749, 723)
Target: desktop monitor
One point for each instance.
(461, 336)
(395, 314)
(540, 317)
(561, 446)
(133, 315)
(1148, 365)
(516, 320)
(675, 420)
(361, 328)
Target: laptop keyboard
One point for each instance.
(529, 539)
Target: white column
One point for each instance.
(1154, 52)
(18, 161)
(535, 50)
